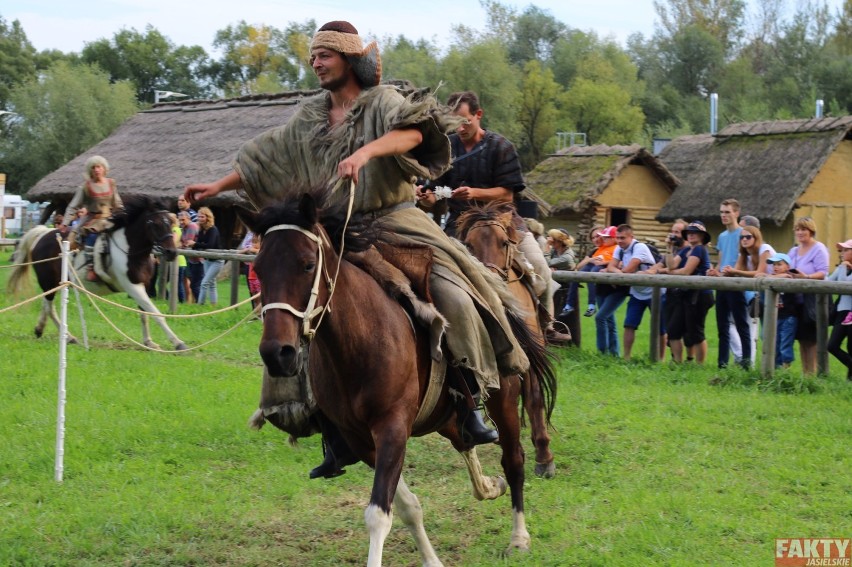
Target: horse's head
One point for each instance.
(148, 227)
(490, 236)
(294, 282)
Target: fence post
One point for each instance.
(656, 303)
(173, 268)
(822, 324)
(59, 466)
(235, 281)
(770, 333)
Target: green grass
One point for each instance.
(657, 464)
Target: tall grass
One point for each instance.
(657, 464)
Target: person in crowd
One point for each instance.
(686, 309)
(100, 198)
(789, 307)
(251, 245)
(675, 241)
(598, 260)
(561, 253)
(731, 304)
(486, 168)
(843, 320)
(183, 207)
(76, 221)
(181, 259)
(631, 257)
(749, 220)
(401, 139)
(751, 263)
(251, 277)
(808, 261)
(208, 239)
(194, 266)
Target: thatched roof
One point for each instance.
(161, 150)
(766, 166)
(572, 179)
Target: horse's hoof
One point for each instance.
(152, 344)
(181, 346)
(519, 547)
(38, 332)
(545, 470)
(72, 340)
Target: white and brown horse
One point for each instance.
(140, 228)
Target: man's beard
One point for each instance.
(334, 84)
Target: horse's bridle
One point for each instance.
(312, 310)
(503, 271)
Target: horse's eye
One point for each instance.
(309, 267)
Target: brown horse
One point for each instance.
(369, 366)
(490, 236)
(142, 226)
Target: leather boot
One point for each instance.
(472, 426)
(470, 421)
(337, 452)
(89, 252)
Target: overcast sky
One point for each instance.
(67, 24)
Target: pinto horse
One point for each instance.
(490, 236)
(142, 226)
(369, 368)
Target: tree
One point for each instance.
(415, 62)
(534, 34)
(61, 114)
(151, 61)
(692, 60)
(604, 112)
(483, 67)
(17, 58)
(721, 19)
(537, 112)
(253, 61)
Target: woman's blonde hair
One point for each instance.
(562, 236)
(807, 223)
(92, 162)
(211, 220)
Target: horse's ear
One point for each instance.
(248, 217)
(308, 208)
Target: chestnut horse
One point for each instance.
(369, 368)
(490, 236)
(142, 226)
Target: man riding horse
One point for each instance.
(100, 197)
(360, 130)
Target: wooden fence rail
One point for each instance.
(771, 287)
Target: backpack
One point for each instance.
(655, 252)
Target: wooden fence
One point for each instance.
(771, 287)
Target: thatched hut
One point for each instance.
(778, 171)
(161, 150)
(580, 187)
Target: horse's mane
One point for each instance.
(133, 206)
(487, 212)
(331, 215)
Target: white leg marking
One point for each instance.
(379, 525)
(408, 508)
(484, 487)
(520, 536)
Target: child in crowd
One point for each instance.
(843, 331)
(788, 314)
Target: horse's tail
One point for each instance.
(541, 361)
(23, 258)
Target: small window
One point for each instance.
(619, 216)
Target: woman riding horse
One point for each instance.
(100, 197)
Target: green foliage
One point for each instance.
(417, 62)
(485, 69)
(537, 112)
(17, 58)
(150, 61)
(61, 114)
(603, 111)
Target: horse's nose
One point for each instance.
(280, 360)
